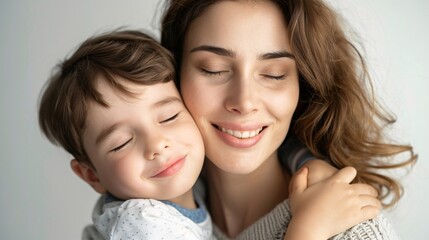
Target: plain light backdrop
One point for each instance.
(40, 197)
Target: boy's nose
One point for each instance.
(156, 146)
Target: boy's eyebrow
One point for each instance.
(106, 132)
(230, 53)
(166, 100)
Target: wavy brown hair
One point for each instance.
(338, 117)
(117, 56)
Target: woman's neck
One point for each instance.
(237, 201)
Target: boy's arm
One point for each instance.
(294, 155)
(330, 207)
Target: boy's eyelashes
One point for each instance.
(170, 118)
(121, 146)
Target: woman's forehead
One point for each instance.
(240, 25)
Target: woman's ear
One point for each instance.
(87, 174)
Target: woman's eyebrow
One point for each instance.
(216, 50)
(277, 54)
(229, 53)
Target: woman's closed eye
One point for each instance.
(212, 72)
(116, 149)
(275, 77)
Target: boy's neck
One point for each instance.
(185, 200)
(237, 201)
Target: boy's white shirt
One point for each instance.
(146, 219)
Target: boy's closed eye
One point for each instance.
(171, 118)
(124, 144)
(116, 149)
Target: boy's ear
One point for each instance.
(87, 174)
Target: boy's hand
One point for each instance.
(329, 207)
(318, 170)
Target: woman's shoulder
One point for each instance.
(274, 225)
(376, 228)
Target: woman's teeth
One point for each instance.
(241, 134)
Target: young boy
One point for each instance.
(113, 105)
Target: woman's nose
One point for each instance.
(242, 96)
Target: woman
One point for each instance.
(251, 70)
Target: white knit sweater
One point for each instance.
(274, 225)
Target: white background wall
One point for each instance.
(40, 197)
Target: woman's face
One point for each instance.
(240, 82)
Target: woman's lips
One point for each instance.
(240, 138)
(171, 168)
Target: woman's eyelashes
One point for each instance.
(275, 77)
(217, 73)
(212, 72)
(220, 73)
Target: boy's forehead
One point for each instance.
(134, 91)
(110, 91)
(101, 83)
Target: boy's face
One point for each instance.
(143, 147)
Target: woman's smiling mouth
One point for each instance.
(240, 138)
(241, 134)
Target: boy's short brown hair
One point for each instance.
(130, 55)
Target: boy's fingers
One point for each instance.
(347, 174)
(370, 211)
(299, 181)
(368, 201)
(364, 189)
